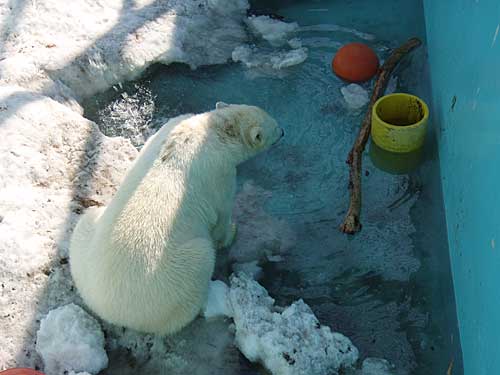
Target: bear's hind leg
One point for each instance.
(193, 265)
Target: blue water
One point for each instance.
(389, 287)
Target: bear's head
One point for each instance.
(247, 128)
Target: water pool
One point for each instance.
(389, 287)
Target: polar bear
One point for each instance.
(145, 260)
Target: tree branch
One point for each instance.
(352, 222)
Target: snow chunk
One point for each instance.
(355, 96)
(288, 343)
(272, 30)
(377, 366)
(290, 58)
(69, 339)
(253, 57)
(277, 34)
(217, 300)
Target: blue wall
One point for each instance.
(464, 51)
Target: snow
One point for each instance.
(217, 300)
(355, 96)
(69, 339)
(291, 342)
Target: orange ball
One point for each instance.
(20, 371)
(355, 62)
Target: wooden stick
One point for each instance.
(352, 222)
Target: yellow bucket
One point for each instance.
(399, 122)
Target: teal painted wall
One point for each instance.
(464, 53)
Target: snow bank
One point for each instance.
(291, 342)
(355, 96)
(69, 339)
(53, 164)
(72, 50)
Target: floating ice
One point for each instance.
(290, 58)
(69, 339)
(355, 96)
(277, 34)
(253, 57)
(288, 343)
(274, 31)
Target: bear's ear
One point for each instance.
(220, 105)
(255, 136)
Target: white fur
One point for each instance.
(145, 261)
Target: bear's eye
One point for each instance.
(258, 137)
